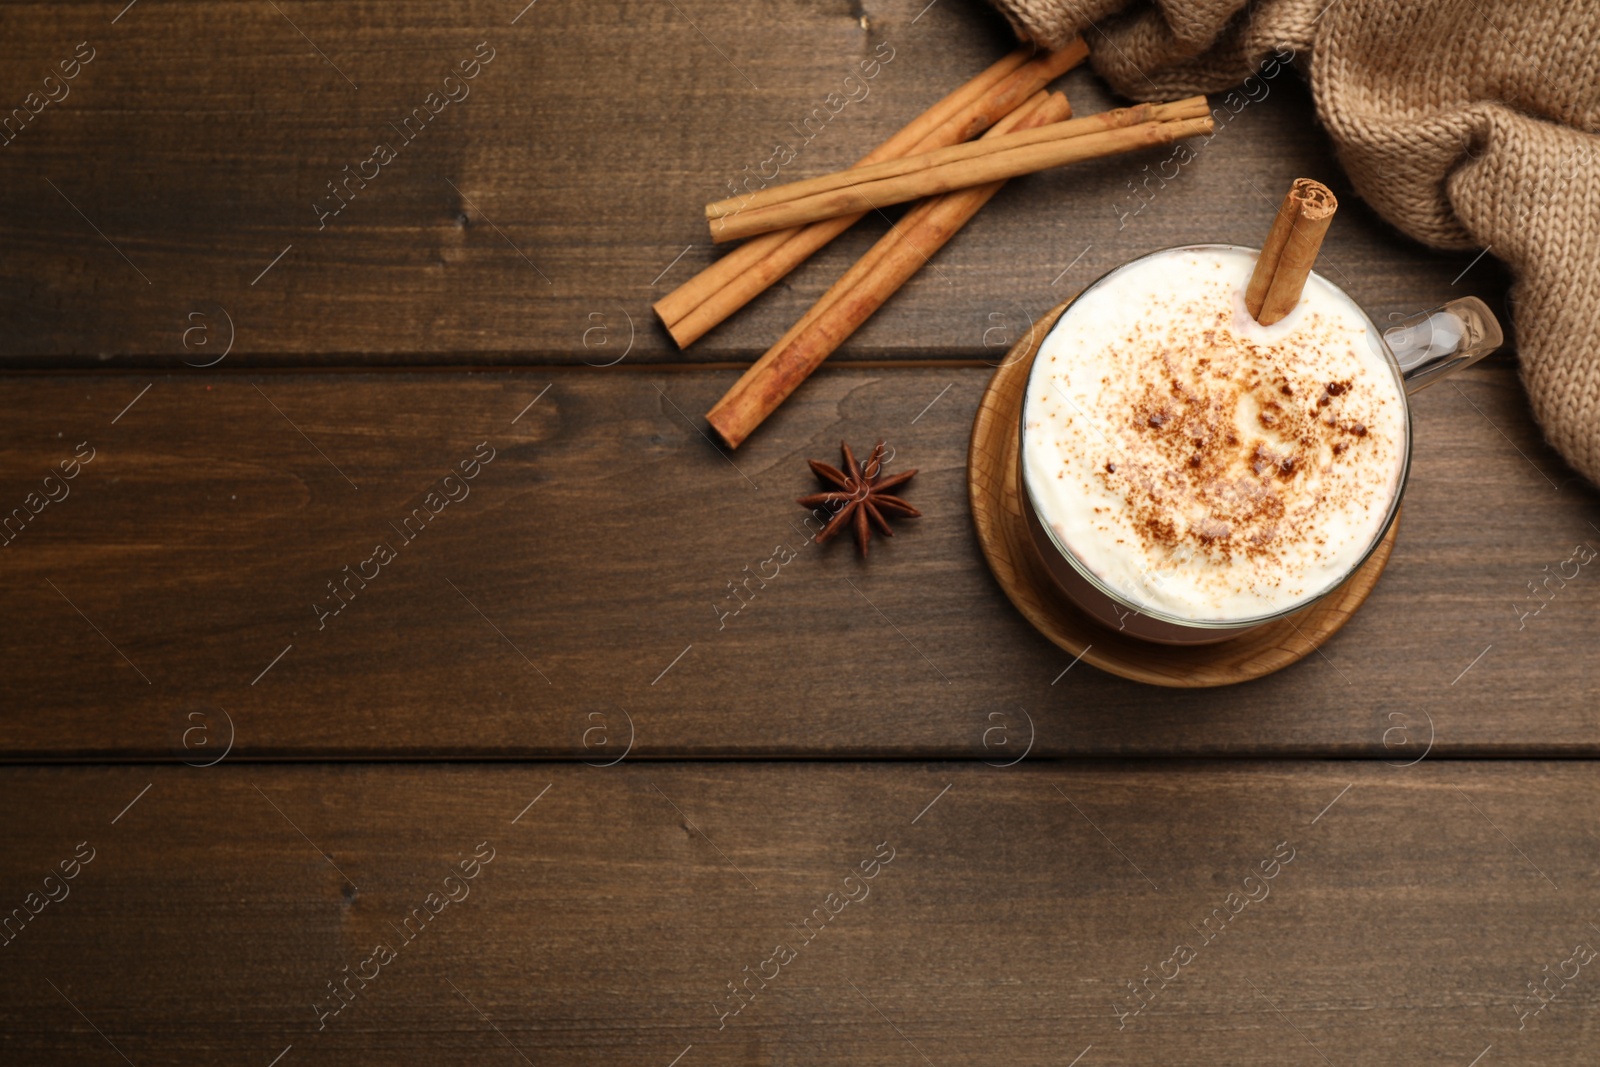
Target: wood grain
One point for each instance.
(491, 289)
(618, 907)
(1005, 528)
(591, 566)
(536, 220)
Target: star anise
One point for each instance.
(860, 496)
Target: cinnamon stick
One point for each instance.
(1008, 161)
(1290, 251)
(681, 301)
(1120, 118)
(863, 289)
(867, 263)
(695, 307)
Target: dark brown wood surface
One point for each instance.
(595, 550)
(532, 221)
(265, 401)
(1415, 907)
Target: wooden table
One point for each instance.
(680, 808)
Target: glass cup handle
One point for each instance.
(1434, 344)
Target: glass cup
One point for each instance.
(1419, 351)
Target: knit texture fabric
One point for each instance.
(1465, 123)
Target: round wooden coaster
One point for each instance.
(993, 484)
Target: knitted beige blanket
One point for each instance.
(1465, 123)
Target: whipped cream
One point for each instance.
(1203, 466)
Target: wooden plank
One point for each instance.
(538, 218)
(586, 577)
(1407, 913)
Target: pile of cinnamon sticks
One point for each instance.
(1023, 129)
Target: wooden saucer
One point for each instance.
(993, 484)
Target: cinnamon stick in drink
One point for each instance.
(863, 289)
(695, 307)
(1290, 251)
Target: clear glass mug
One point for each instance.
(1419, 351)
